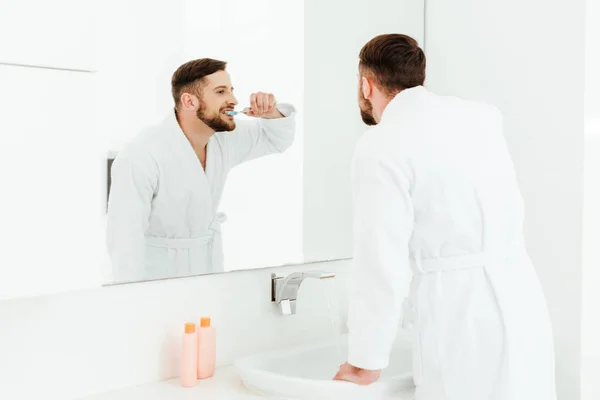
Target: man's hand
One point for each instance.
(356, 375)
(263, 105)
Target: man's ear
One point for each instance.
(366, 87)
(189, 101)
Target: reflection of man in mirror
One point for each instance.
(167, 183)
(437, 203)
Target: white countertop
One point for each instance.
(225, 385)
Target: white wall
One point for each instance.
(51, 205)
(57, 33)
(76, 344)
(590, 384)
(46, 111)
(332, 119)
(527, 58)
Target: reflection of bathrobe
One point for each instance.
(435, 192)
(162, 212)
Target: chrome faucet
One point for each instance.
(284, 291)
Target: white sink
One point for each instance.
(306, 373)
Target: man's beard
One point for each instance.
(366, 110)
(217, 122)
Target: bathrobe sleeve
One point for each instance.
(383, 223)
(260, 137)
(134, 176)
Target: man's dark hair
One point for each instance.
(190, 76)
(395, 62)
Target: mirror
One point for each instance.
(103, 183)
(195, 218)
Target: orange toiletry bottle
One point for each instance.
(207, 349)
(189, 356)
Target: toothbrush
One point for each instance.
(244, 111)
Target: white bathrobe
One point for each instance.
(162, 212)
(436, 199)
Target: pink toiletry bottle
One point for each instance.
(189, 356)
(207, 349)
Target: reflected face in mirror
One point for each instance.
(365, 105)
(215, 98)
